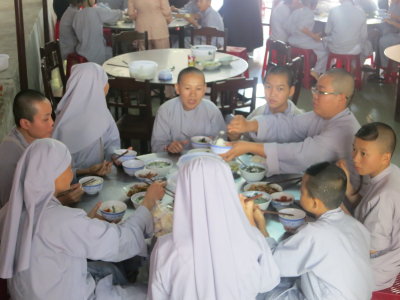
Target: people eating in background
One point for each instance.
(279, 17)
(214, 251)
(328, 258)
(45, 245)
(278, 88)
(153, 17)
(68, 39)
(190, 8)
(185, 116)
(33, 120)
(291, 143)
(376, 205)
(88, 26)
(300, 28)
(84, 123)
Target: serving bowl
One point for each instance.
(137, 199)
(291, 223)
(128, 156)
(204, 52)
(282, 200)
(253, 172)
(132, 165)
(143, 69)
(160, 165)
(200, 141)
(113, 210)
(93, 187)
(262, 202)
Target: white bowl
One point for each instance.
(204, 52)
(225, 60)
(253, 172)
(143, 69)
(94, 187)
(133, 165)
(113, 210)
(220, 149)
(197, 150)
(200, 141)
(146, 172)
(292, 223)
(255, 186)
(211, 65)
(4, 62)
(137, 199)
(279, 202)
(262, 202)
(160, 165)
(128, 156)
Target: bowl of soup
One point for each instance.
(132, 165)
(282, 200)
(137, 199)
(291, 223)
(91, 184)
(160, 165)
(143, 69)
(263, 201)
(200, 142)
(253, 172)
(113, 210)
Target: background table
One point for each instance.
(393, 53)
(172, 58)
(116, 183)
(177, 26)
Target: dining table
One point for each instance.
(117, 184)
(177, 26)
(175, 60)
(393, 53)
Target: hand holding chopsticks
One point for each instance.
(167, 191)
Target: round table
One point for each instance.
(177, 26)
(175, 59)
(393, 52)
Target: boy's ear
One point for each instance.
(176, 88)
(291, 91)
(387, 157)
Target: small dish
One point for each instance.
(291, 223)
(144, 174)
(137, 199)
(93, 187)
(263, 186)
(132, 165)
(200, 142)
(113, 210)
(160, 165)
(282, 200)
(262, 202)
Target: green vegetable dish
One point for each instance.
(254, 169)
(158, 164)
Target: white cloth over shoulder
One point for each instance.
(11, 149)
(174, 123)
(213, 251)
(83, 121)
(88, 26)
(379, 211)
(279, 16)
(331, 256)
(293, 143)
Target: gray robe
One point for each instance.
(68, 40)
(173, 123)
(279, 16)
(11, 149)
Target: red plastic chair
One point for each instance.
(107, 33)
(309, 61)
(239, 52)
(73, 59)
(57, 31)
(345, 61)
(392, 293)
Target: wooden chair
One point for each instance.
(209, 33)
(133, 99)
(123, 42)
(296, 65)
(73, 59)
(52, 54)
(46, 77)
(279, 54)
(231, 94)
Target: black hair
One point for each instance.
(378, 130)
(189, 70)
(23, 105)
(281, 70)
(327, 182)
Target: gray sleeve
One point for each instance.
(161, 136)
(109, 15)
(111, 140)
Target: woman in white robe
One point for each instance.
(83, 121)
(45, 245)
(213, 251)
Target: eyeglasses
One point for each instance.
(315, 90)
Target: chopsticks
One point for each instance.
(270, 212)
(253, 198)
(122, 154)
(167, 191)
(70, 190)
(88, 182)
(114, 65)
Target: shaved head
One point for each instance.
(342, 82)
(382, 133)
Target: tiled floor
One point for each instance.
(375, 101)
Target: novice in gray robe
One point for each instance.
(279, 16)
(173, 123)
(68, 40)
(88, 27)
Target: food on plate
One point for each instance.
(158, 164)
(254, 169)
(263, 188)
(148, 175)
(284, 199)
(163, 220)
(137, 188)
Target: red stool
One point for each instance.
(73, 59)
(392, 293)
(390, 72)
(107, 33)
(239, 52)
(309, 61)
(345, 60)
(57, 31)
